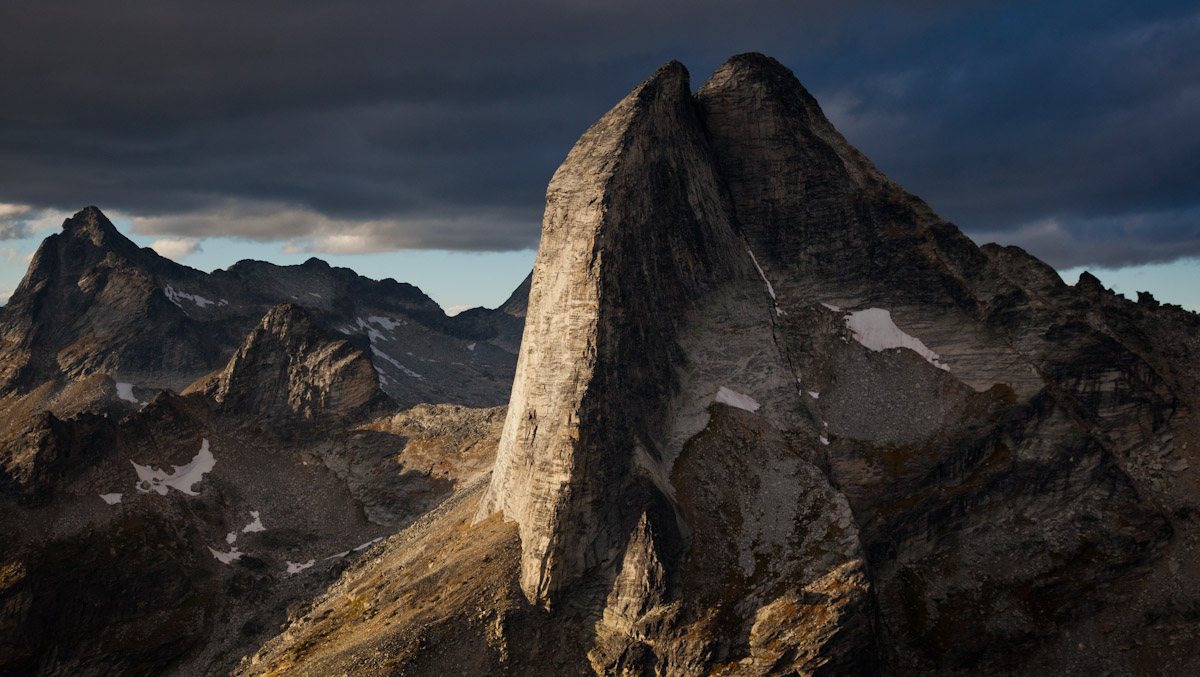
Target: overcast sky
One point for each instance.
(281, 129)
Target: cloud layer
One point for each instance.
(371, 126)
(175, 248)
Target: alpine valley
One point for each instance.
(757, 411)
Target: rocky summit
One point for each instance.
(771, 415)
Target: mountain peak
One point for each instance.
(638, 186)
(289, 370)
(92, 224)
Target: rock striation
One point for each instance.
(561, 459)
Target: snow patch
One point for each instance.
(231, 537)
(373, 335)
(875, 329)
(182, 478)
(836, 309)
(814, 394)
(736, 399)
(254, 526)
(125, 392)
(174, 296)
(824, 440)
(111, 499)
(471, 346)
(226, 557)
(296, 567)
(385, 322)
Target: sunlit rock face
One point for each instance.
(733, 312)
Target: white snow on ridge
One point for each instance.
(173, 296)
(111, 499)
(386, 322)
(294, 567)
(875, 329)
(182, 478)
(368, 544)
(770, 289)
(125, 392)
(373, 334)
(736, 399)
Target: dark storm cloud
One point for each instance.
(341, 127)
(1082, 118)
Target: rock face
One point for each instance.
(289, 371)
(561, 459)
(772, 414)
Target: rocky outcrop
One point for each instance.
(288, 371)
(37, 459)
(585, 443)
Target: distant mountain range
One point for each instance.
(93, 302)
